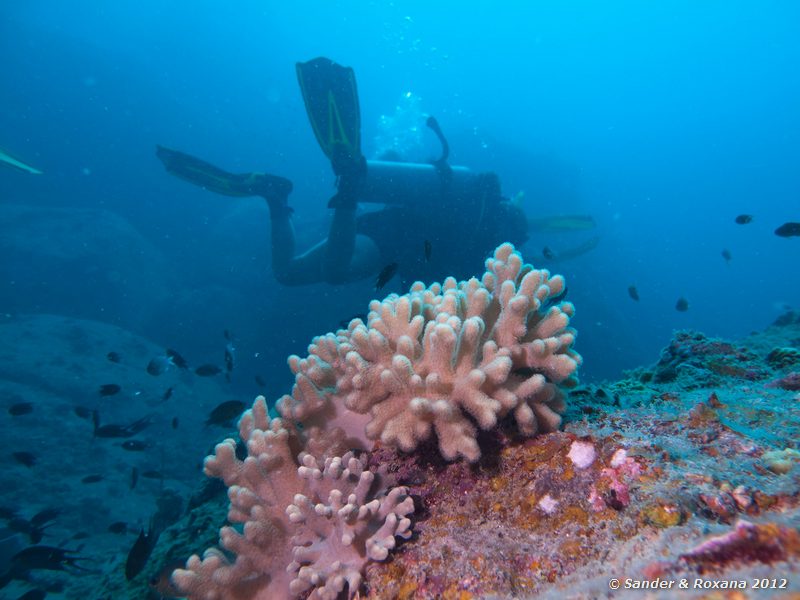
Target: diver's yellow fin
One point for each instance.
(14, 163)
(585, 247)
(331, 99)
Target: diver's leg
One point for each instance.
(348, 257)
(309, 267)
(341, 244)
(366, 260)
(341, 258)
(283, 244)
(286, 268)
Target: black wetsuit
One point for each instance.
(460, 240)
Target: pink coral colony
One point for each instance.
(440, 361)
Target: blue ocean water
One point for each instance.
(663, 121)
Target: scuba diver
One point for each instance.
(437, 219)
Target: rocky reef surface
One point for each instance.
(686, 471)
(683, 472)
(67, 388)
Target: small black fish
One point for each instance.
(559, 297)
(633, 292)
(36, 594)
(161, 581)
(119, 431)
(158, 365)
(682, 305)
(22, 525)
(224, 413)
(81, 535)
(385, 275)
(548, 253)
(167, 395)
(114, 357)
(139, 425)
(428, 251)
(207, 370)
(36, 530)
(82, 412)
(211, 488)
(20, 408)
(44, 557)
(260, 381)
(743, 219)
(241, 450)
(134, 477)
(153, 474)
(726, 254)
(228, 358)
(174, 422)
(45, 517)
(177, 359)
(118, 527)
(109, 389)
(788, 230)
(140, 552)
(345, 323)
(135, 445)
(92, 479)
(112, 431)
(27, 459)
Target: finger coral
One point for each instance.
(446, 360)
(308, 524)
(443, 359)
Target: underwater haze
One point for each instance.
(663, 121)
(654, 151)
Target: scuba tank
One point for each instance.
(428, 185)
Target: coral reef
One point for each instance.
(443, 359)
(746, 542)
(650, 482)
(307, 524)
(439, 359)
(57, 364)
(705, 361)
